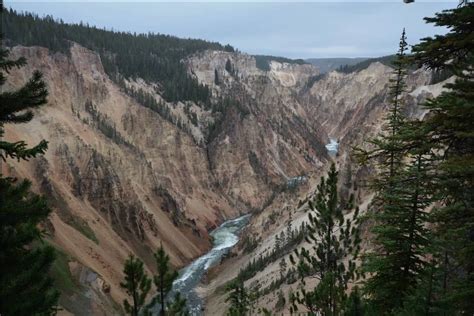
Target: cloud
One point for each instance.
(291, 29)
(328, 50)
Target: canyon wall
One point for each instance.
(123, 178)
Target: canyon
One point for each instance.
(122, 178)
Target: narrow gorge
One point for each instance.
(214, 182)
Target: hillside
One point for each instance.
(329, 64)
(356, 118)
(157, 140)
(128, 169)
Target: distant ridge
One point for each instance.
(329, 64)
(263, 61)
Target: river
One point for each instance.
(224, 237)
(332, 147)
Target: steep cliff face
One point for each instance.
(123, 178)
(268, 133)
(351, 107)
(126, 171)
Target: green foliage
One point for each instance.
(313, 79)
(153, 57)
(440, 75)
(281, 248)
(334, 251)
(16, 108)
(164, 279)
(83, 227)
(25, 285)
(250, 243)
(281, 301)
(224, 108)
(228, 67)
(105, 125)
(403, 191)
(425, 299)
(422, 262)
(238, 298)
(263, 61)
(290, 277)
(64, 212)
(61, 274)
(386, 60)
(355, 304)
(136, 284)
(216, 77)
(177, 307)
(448, 129)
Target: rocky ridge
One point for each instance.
(124, 178)
(351, 108)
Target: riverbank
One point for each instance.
(224, 238)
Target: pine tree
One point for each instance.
(26, 287)
(164, 278)
(277, 245)
(283, 267)
(177, 307)
(386, 148)
(228, 67)
(137, 285)
(238, 298)
(17, 106)
(449, 129)
(355, 304)
(281, 301)
(335, 247)
(282, 239)
(414, 245)
(402, 194)
(289, 230)
(425, 298)
(216, 77)
(402, 239)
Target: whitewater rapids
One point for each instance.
(224, 238)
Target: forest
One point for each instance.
(152, 57)
(418, 229)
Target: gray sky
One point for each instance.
(347, 28)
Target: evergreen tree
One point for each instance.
(25, 285)
(449, 129)
(152, 57)
(289, 229)
(402, 193)
(164, 278)
(402, 239)
(16, 108)
(281, 301)
(228, 67)
(335, 247)
(387, 151)
(177, 307)
(277, 245)
(283, 267)
(355, 304)
(282, 239)
(425, 298)
(216, 77)
(137, 285)
(238, 298)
